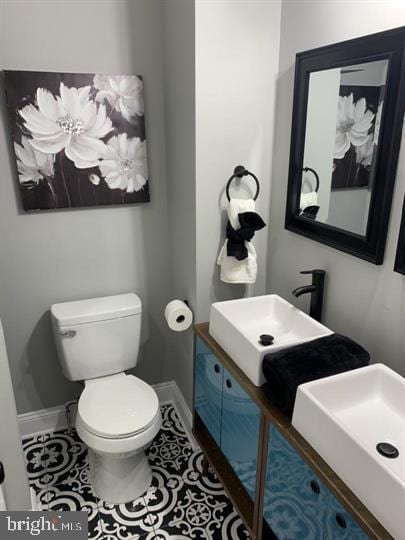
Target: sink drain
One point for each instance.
(266, 340)
(387, 450)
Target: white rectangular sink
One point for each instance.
(344, 418)
(237, 325)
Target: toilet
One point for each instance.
(118, 415)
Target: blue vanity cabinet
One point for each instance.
(339, 523)
(297, 505)
(209, 374)
(240, 432)
(229, 414)
(295, 500)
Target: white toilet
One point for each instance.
(118, 415)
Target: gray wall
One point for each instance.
(364, 301)
(49, 257)
(15, 488)
(214, 122)
(236, 72)
(179, 83)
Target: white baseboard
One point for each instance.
(42, 421)
(164, 391)
(184, 413)
(46, 420)
(169, 392)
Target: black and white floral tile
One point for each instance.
(181, 504)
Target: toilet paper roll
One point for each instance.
(178, 315)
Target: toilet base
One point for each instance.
(117, 479)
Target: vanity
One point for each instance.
(336, 470)
(280, 486)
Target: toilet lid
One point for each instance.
(118, 406)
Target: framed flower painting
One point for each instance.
(79, 139)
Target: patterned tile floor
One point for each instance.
(181, 504)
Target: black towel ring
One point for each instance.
(306, 169)
(238, 172)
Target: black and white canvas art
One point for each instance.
(79, 139)
(357, 131)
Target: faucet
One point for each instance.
(316, 290)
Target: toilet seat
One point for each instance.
(118, 406)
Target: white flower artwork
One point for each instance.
(354, 121)
(356, 138)
(365, 152)
(32, 165)
(123, 93)
(79, 139)
(124, 163)
(71, 122)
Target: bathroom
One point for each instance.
(218, 86)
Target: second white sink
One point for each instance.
(237, 325)
(345, 418)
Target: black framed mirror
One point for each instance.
(346, 131)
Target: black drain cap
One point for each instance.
(266, 340)
(387, 450)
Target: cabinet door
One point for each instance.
(295, 500)
(340, 525)
(208, 389)
(240, 432)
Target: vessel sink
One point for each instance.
(237, 325)
(345, 418)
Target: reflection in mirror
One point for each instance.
(341, 140)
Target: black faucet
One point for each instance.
(316, 290)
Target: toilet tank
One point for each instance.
(97, 337)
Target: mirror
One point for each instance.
(347, 121)
(341, 143)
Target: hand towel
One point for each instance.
(285, 370)
(308, 199)
(237, 257)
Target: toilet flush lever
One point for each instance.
(68, 333)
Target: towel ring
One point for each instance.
(238, 172)
(308, 169)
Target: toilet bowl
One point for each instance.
(117, 418)
(118, 414)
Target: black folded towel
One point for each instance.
(285, 370)
(249, 223)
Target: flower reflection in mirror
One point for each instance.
(357, 128)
